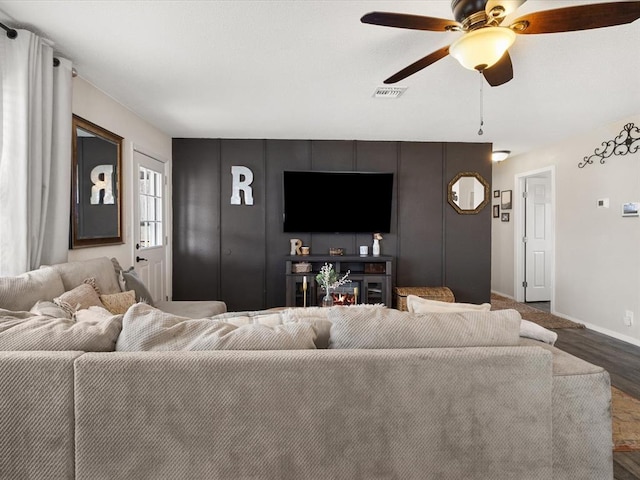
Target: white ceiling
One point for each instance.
(308, 68)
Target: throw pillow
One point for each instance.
(387, 328)
(417, 304)
(537, 332)
(145, 328)
(135, 283)
(118, 303)
(118, 269)
(83, 296)
(28, 331)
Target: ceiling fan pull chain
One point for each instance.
(480, 132)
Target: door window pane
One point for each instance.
(150, 201)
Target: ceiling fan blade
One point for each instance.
(502, 8)
(419, 65)
(581, 17)
(499, 73)
(415, 22)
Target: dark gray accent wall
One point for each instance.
(242, 229)
(420, 226)
(467, 238)
(196, 219)
(281, 155)
(236, 253)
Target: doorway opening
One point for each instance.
(534, 205)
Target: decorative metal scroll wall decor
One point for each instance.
(628, 141)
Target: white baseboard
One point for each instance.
(502, 294)
(599, 329)
(590, 326)
(617, 335)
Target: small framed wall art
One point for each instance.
(504, 217)
(496, 211)
(496, 194)
(505, 200)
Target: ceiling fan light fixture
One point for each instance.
(482, 48)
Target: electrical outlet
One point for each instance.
(628, 318)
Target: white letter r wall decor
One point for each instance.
(242, 177)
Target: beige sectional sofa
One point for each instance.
(24, 291)
(397, 395)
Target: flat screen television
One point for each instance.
(337, 202)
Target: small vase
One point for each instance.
(376, 247)
(327, 300)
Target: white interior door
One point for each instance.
(538, 244)
(149, 219)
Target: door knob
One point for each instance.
(140, 259)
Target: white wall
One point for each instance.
(94, 105)
(597, 254)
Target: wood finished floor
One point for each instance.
(622, 361)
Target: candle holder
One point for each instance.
(304, 291)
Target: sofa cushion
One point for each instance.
(466, 413)
(21, 292)
(247, 316)
(28, 331)
(318, 318)
(37, 423)
(147, 328)
(192, 308)
(270, 319)
(417, 304)
(581, 410)
(118, 303)
(75, 273)
(388, 328)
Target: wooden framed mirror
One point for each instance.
(96, 186)
(468, 193)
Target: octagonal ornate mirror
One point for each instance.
(468, 193)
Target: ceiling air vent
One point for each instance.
(388, 92)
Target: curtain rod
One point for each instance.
(11, 33)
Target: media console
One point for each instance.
(371, 276)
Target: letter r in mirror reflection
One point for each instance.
(242, 177)
(102, 179)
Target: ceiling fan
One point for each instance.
(485, 43)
